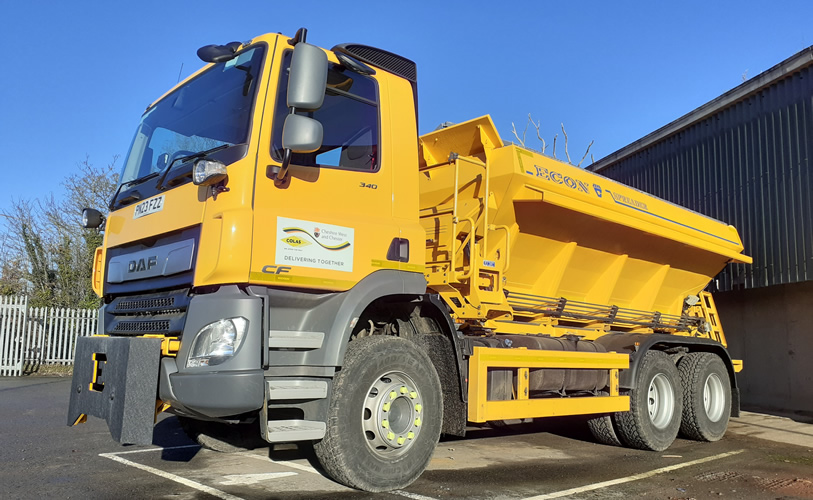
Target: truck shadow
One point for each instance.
(574, 427)
(177, 447)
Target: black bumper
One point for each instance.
(116, 379)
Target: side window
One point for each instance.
(349, 117)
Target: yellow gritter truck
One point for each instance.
(285, 259)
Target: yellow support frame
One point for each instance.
(483, 410)
(169, 346)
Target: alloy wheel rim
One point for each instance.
(392, 414)
(713, 397)
(660, 401)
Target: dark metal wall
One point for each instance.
(747, 164)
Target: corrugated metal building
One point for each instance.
(744, 158)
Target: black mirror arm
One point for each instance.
(282, 173)
(300, 36)
(281, 180)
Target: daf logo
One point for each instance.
(135, 266)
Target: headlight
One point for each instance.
(217, 342)
(208, 172)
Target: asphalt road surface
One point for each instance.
(40, 457)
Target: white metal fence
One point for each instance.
(34, 336)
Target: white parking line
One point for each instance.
(308, 468)
(172, 477)
(247, 479)
(155, 449)
(636, 477)
(413, 496)
(293, 465)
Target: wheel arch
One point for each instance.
(423, 320)
(381, 286)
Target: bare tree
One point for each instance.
(521, 140)
(566, 153)
(45, 241)
(585, 154)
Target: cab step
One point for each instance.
(296, 389)
(286, 431)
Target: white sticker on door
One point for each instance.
(314, 244)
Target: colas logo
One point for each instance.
(327, 235)
(295, 241)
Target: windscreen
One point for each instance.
(213, 109)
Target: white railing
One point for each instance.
(34, 336)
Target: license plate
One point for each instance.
(148, 207)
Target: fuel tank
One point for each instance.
(546, 380)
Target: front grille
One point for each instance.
(136, 305)
(156, 313)
(136, 327)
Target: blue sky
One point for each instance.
(79, 74)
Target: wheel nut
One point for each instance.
(390, 436)
(418, 422)
(393, 395)
(404, 390)
(401, 440)
(385, 424)
(418, 408)
(413, 395)
(410, 435)
(385, 407)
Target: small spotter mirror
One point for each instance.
(218, 53)
(91, 218)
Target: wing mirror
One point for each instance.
(308, 77)
(301, 134)
(306, 92)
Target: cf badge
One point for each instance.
(276, 269)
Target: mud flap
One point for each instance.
(116, 379)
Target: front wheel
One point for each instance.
(706, 396)
(385, 415)
(656, 405)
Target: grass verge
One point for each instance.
(49, 371)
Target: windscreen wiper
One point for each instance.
(133, 182)
(185, 159)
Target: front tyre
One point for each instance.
(656, 405)
(385, 415)
(706, 396)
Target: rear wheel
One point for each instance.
(601, 426)
(602, 429)
(385, 415)
(656, 405)
(706, 396)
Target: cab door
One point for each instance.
(330, 223)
